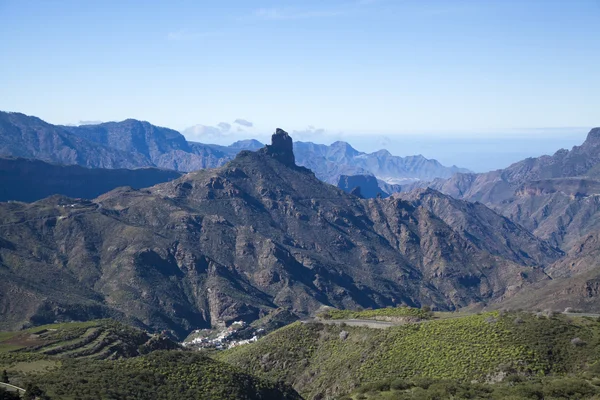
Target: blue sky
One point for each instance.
(359, 70)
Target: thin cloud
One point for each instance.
(224, 127)
(243, 122)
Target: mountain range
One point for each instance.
(138, 144)
(233, 243)
(127, 234)
(557, 198)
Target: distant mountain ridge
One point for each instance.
(134, 144)
(340, 158)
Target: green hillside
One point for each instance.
(108, 360)
(100, 339)
(157, 376)
(323, 361)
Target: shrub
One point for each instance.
(423, 383)
(6, 395)
(400, 384)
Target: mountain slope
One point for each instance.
(327, 361)
(215, 246)
(575, 283)
(555, 197)
(30, 180)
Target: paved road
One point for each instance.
(570, 314)
(12, 388)
(358, 322)
(370, 323)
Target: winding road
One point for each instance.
(12, 388)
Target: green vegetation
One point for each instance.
(160, 375)
(107, 360)
(101, 339)
(381, 313)
(6, 395)
(321, 361)
(513, 387)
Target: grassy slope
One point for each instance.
(160, 375)
(315, 359)
(106, 359)
(514, 387)
(99, 339)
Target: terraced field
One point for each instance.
(97, 340)
(105, 359)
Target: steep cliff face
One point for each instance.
(236, 242)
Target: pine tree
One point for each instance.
(4, 377)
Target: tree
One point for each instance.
(6, 395)
(33, 392)
(4, 377)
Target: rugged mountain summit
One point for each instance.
(281, 148)
(235, 242)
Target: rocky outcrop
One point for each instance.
(281, 148)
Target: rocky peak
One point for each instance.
(282, 148)
(593, 137)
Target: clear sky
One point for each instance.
(353, 68)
